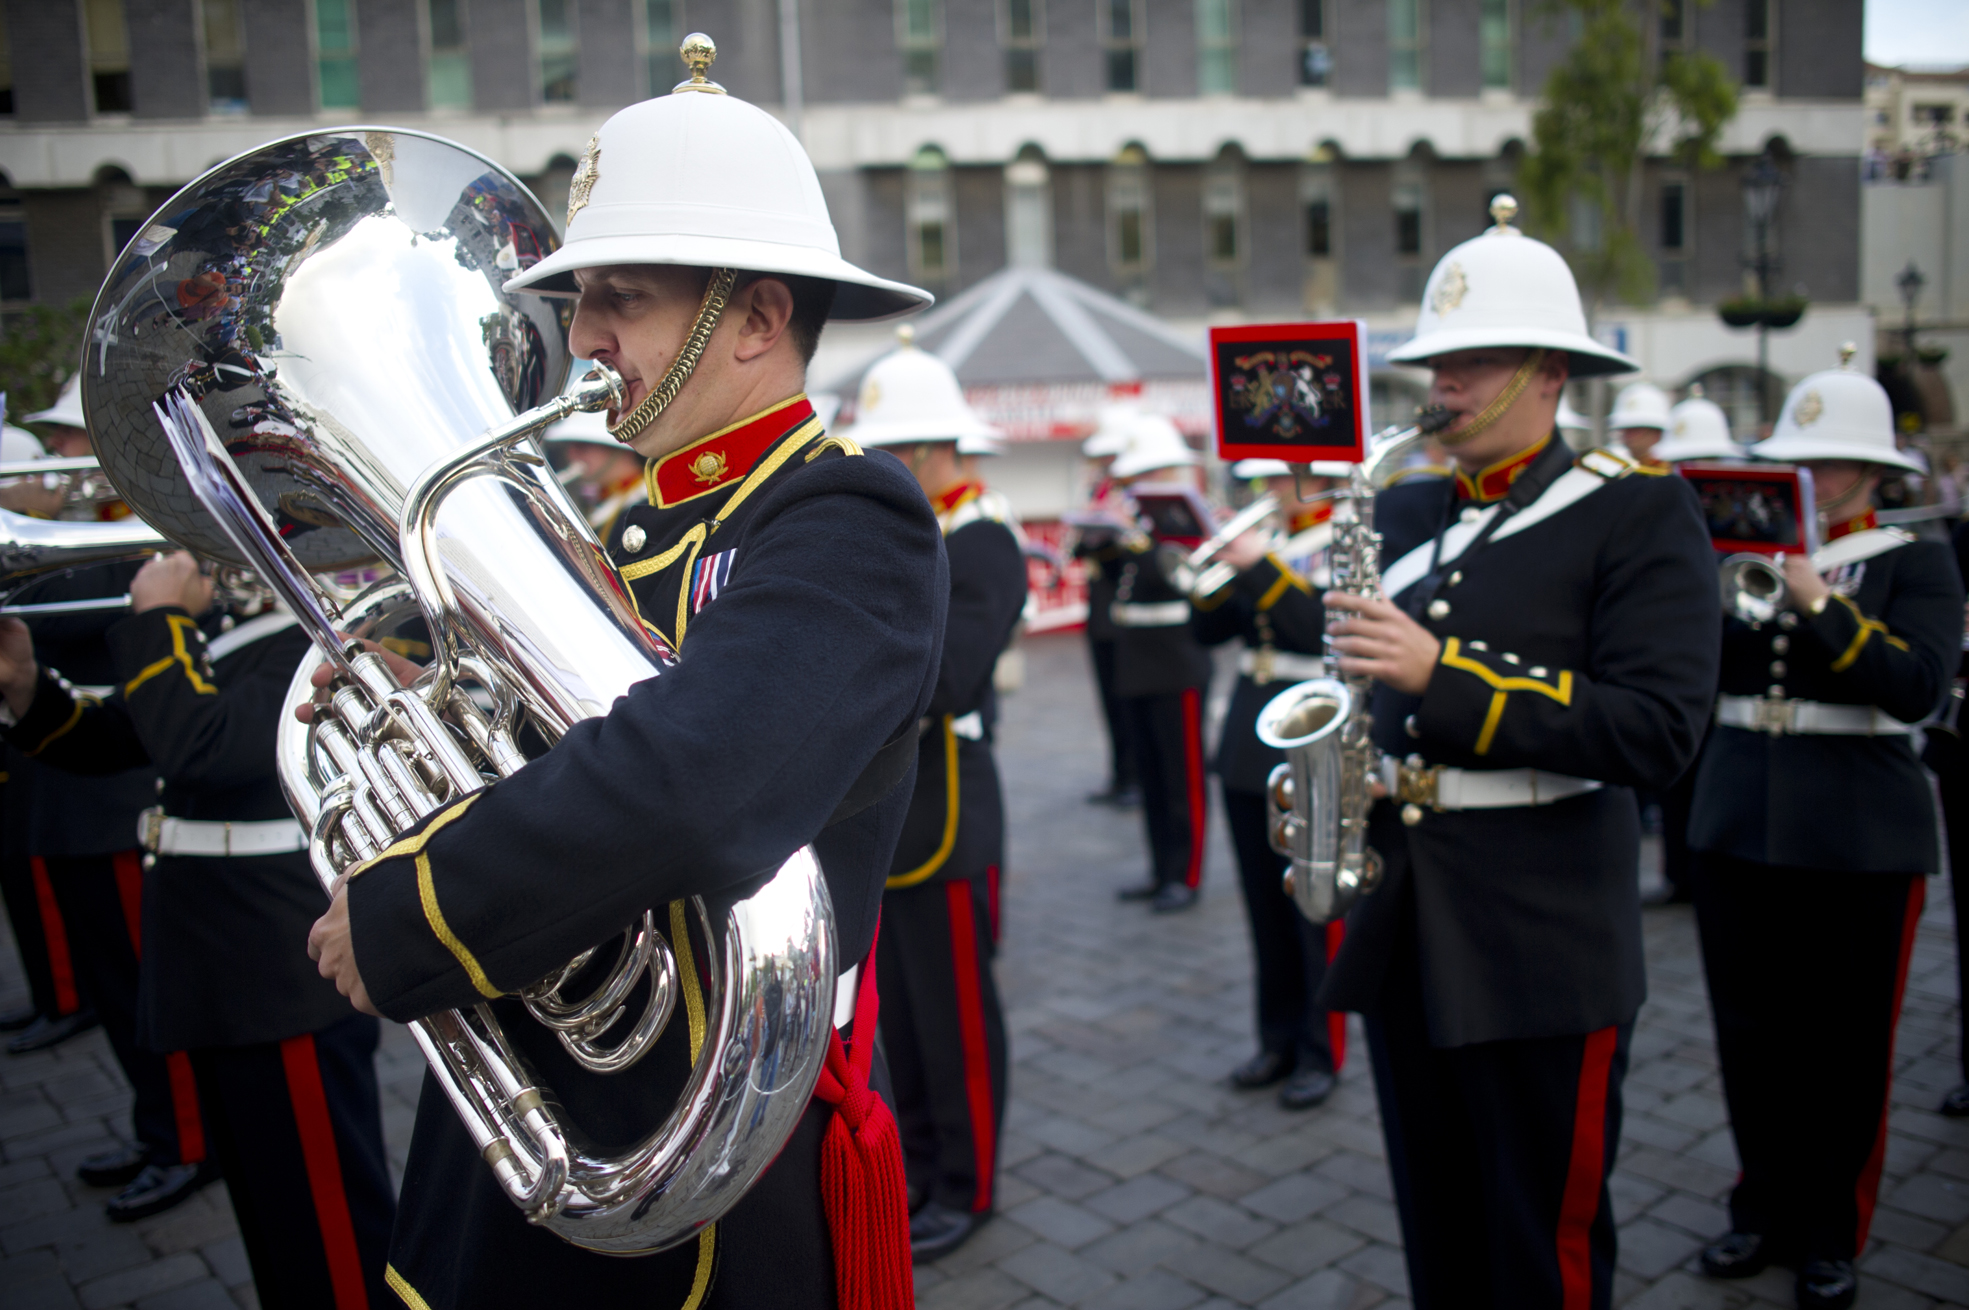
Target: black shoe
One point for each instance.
(1141, 891)
(1173, 898)
(1306, 1089)
(1736, 1255)
(1827, 1285)
(1956, 1104)
(113, 1168)
(157, 1188)
(15, 1020)
(1261, 1070)
(936, 1230)
(44, 1032)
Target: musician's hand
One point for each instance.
(18, 670)
(1383, 642)
(171, 579)
(1803, 582)
(333, 951)
(324, 673)
(33, 496)
(1246, 549)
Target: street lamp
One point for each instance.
(1762, 186)
(1910, 282)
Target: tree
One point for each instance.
(1606, 104)
(40, 347)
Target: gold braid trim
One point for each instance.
(717, 293)
(1505, 399)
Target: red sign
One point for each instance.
(1767, 509)
(1291, 391)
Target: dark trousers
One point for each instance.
(1290, 952)
(944, 1034)
(101, 902)
(1803, 962)
(1677, 860)
(298, 1130)
(1168, 739)
(41, 936)
(1499, 1153)
(1949, 758)
(1121, 749)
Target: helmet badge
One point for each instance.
(1811, 406)
(871, 395)
(585, 177)
(1450, 289)
(708, 467)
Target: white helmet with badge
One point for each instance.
(704, 181)
(1110, 437)
(67, 409)
(1153, 443)
(1640, 405)
(1836, 414)
(1506, 289)
(910, 395)
(1697, 429)
(18, 445)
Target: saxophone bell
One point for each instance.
(1754, 589)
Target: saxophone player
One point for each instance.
(1548, 645)
(801, 586)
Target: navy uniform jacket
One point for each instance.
(1100, 556)
(1271, 607)
(956, 822)
(225, 939)
(1163, 659)
(802, 585)
(1889, 637)
(1583, 645)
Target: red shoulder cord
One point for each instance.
(861, 1173)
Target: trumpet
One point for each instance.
(1754, 589)
(1198, 572)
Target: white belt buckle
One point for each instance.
(150, 828)
(1774, 715)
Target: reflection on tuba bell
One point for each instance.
(1753, 588)
(372, 393)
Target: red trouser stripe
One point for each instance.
(1587, 1172)
(1193, 771)
(1868, 1188)
(130, 890)
(971, 1030)
(184, 1107)
(324, 1163)
(60, 965)
(1336, 1020)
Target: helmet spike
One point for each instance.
(1504, 208)
(699, 52)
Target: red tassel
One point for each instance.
(861, 1171)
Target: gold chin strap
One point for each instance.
(717, 294)
(1505, 399)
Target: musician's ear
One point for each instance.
(764, 308)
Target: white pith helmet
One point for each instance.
(1278, 468)
(584, 428)
(1640, 405)
(1110, 438)
(1698, 429)
(1153, 443)
(1570, 419)
(67, 409)
(1505, 289)
(707, 181)
(910, 395)
(18, 445)
(1836, 414)
(979, 443)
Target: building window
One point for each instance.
(558, 52)
(1315, 59)
(661, 32)
(6, 67)
(336, 81)
(1757, 45)
(1320, 241)
(1404, 45)
(1671, 23)
(1216, 47)
(932, 231)
(1028, 212)
(1408, 198)
(1494, 44)
(1128, 212)
(1223, 213)
(109, 54)
(225, 58)
(13, 255)
(921, 22)
(1408, 219)
(451, 60)
(1674, 212)
(1023, 26)
(1121, 40)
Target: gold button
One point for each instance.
(1411, 814)
(634, 538)
(1439, 608)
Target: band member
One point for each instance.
(1697, 429)
(1639, 420)
(802, 586)
(285, 1074)
(1549, 644)
(1273, 605)
(1947, 757)
(1814, 828)
(606, 476)
(1160, 674)
(942, 1027)
(1099, 550)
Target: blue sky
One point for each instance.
(1926, 33)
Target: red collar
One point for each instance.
(1311, 518)
(725, 456)
(1492, 483)
(957, 494)
(1860, 524)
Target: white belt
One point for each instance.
(1783, 718)
(845, 991)
(969, 726)
(160, 834)
(1281, 665)
(1439, 787)
(1161, 614)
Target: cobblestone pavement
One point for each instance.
(1133, 1176)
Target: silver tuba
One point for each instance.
(349, 385)
(1317, 801)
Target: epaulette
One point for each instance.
(1609, 464)
(846, 445)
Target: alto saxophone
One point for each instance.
(1316, 803)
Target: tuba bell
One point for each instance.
(364, 391)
